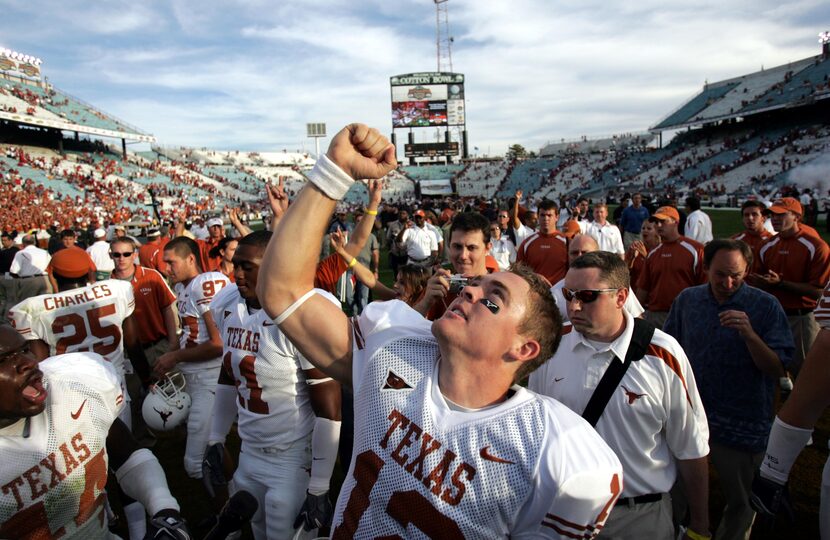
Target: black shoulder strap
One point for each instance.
(640, 339)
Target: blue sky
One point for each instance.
(249, 74)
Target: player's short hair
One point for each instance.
(542, 321)
(28, 240)
(183, 246)
(612, 269)
(258, 239)
(582, 199)
(753, 204)
(123, 240)
(724, 244)
(548, 204)
(600, 204)
(68, 233)
(469, 222)
(693, 203)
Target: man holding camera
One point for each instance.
(469, 246)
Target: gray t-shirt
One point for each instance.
(365, 255)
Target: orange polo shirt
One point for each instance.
(152, 296)
(753, 239)
(802, 258)
(670, 268)
(547, 254)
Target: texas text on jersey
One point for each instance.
(420, 463)
(266, 368)
(61, 451)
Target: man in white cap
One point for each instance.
(99, 252)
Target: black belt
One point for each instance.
(798, 312)
(639, 499)
(28, 277)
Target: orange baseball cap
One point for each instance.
(70, 262)
(667, 212)
(570, 228)
(786, 204)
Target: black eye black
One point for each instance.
(492, 306)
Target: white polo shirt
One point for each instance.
(504, 252)
(699, 227)
(655, 416)
(607, 236)
(99, 252)
(419, 243)
(30, 261)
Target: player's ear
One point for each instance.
(525, 350)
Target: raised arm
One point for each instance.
(363, 274)
(277, 201)
(515, 222)
(361, 233)
(288, 265)
(241, 228)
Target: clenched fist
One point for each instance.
(362, 152)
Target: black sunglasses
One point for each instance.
(116, 255)
(585, 296)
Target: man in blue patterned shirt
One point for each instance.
(738, 343)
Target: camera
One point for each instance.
(457, 283)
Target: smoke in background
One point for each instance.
(814, 175)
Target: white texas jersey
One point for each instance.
(526, 468)
(193, 301)
(84, 319)
(54, 465)
(267, 370)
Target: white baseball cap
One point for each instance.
(99, 233)
(214, 222)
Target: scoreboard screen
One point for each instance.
(427, 100)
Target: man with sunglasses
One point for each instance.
(155, 303)
(445, 442)
(654, 419)
(579, 246)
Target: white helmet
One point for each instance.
(167, 404)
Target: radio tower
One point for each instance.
(443, 40)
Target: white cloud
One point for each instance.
(250, 73)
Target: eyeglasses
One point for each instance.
(116, 255)
(585, 296)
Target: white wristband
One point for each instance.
(330, 178)
(785, 443)
(324, 442)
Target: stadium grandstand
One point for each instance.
(732, 139)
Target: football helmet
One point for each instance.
(167, 404)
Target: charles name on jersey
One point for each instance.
(83, 296)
